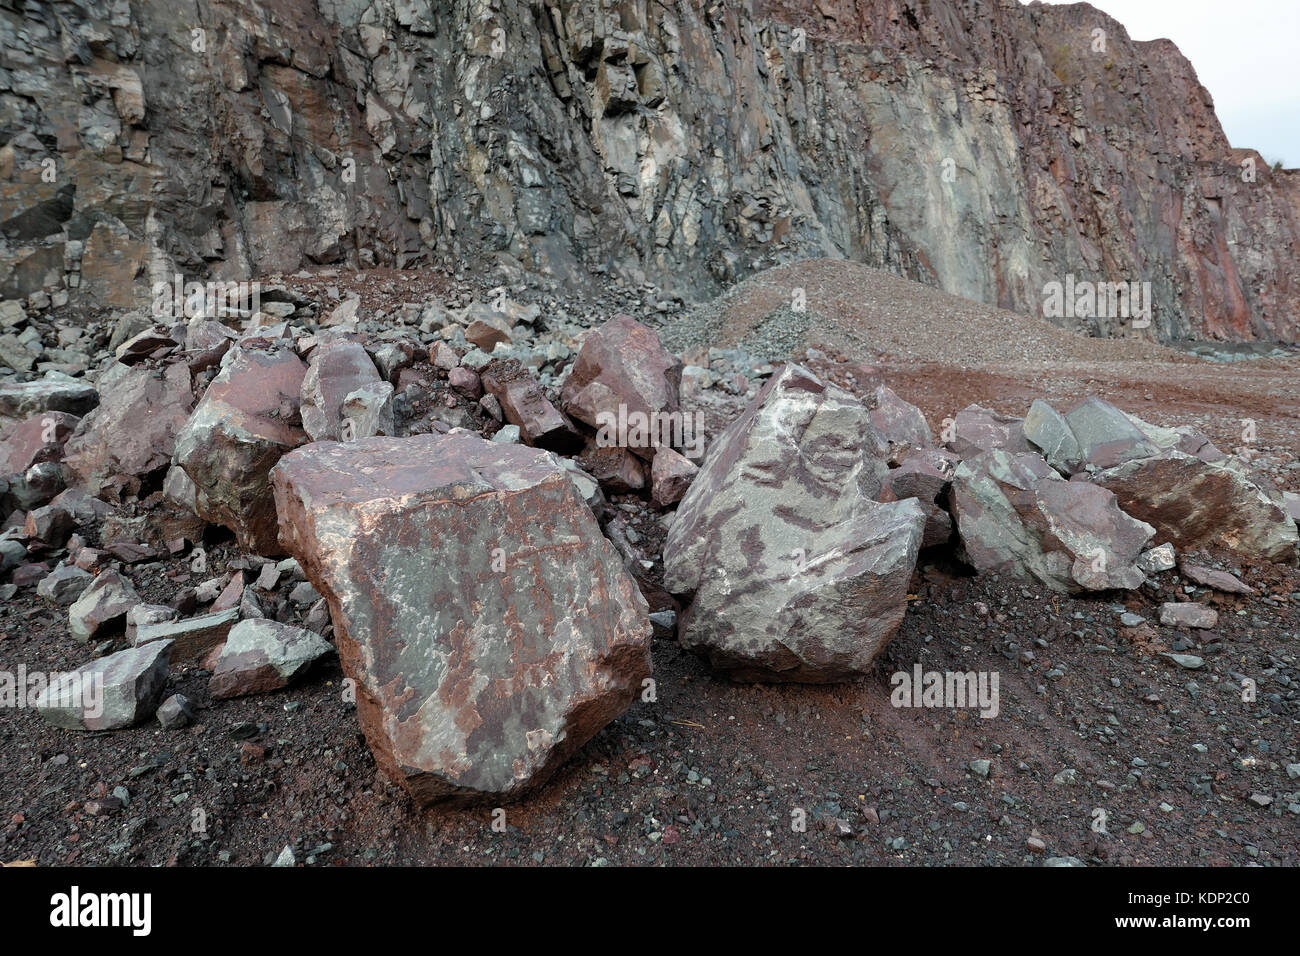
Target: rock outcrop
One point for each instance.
(987, 147)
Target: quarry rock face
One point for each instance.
(678, 142)
(247, 419)
(490, 628)
(796, 572)
(1017, 516)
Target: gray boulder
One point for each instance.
(116, 691)
(797, 572)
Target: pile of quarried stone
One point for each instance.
(446, 525)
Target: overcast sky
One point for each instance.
(1246, 53)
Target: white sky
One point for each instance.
(1246, 53)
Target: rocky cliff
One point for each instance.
(982, 146)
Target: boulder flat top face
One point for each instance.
(490, 628)
(258, 394)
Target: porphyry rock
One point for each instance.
(1188, 614)
(261, 656)
(976, 430)
(524, 404)
(796, 571)
(132, 433)
(900, 423)
(1017, 516)
(191, 637)
(622, 366)
(247, 419)
(490, 628)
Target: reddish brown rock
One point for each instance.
(671, 475)
(617, 469)
(524, 404)
(490, 628)
(1218, 580)
(247, 419)
(622, 364)
(133, 431)
(976, 430)
(40, 438)
(484, 336)
(900, 423)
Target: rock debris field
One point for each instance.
(381, 569)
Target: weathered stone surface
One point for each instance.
(1088, 436)
(116, 691)
(191, 637)
(102, 607)
(261, 656)
(671, 475)
(338, 369)
(618, 470)
(976, 430)
(64, 585)
(368, 411)
(1188, 614)
(622, 364)
(524, 404)
(175, 712)
(1195, 504)
(465, 381)
(489, 626)
(1017, 516)
(900, 423)
(486, 336)
(797, 572)
(1218, 580)
(132, 433)
(247, 419)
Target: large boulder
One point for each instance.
(247, 419)
(623, 370)
(1195, 504)
(132, 433)
(1017, 516)
(797, 572)
(489, 627)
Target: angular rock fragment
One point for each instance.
(247, 419)
(900, 423)
(368, 411)
(489, 626)
(1188, 614)
(1157, 559)
(191, 637)
(524, 404)
(37, 440)
(1088, 436)
(1218, 580)
(116, 691)
(132, 433)
(261, 656)
(175, 712)
(797, 572)
(1017, 516)
(338, 369)
(671, 475)
(53, 393)
(976, 430)
(102, 606)
(1196, 504)
(64, 585)
(622, 370)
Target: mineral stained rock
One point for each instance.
(797, 572)
(489, 627)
